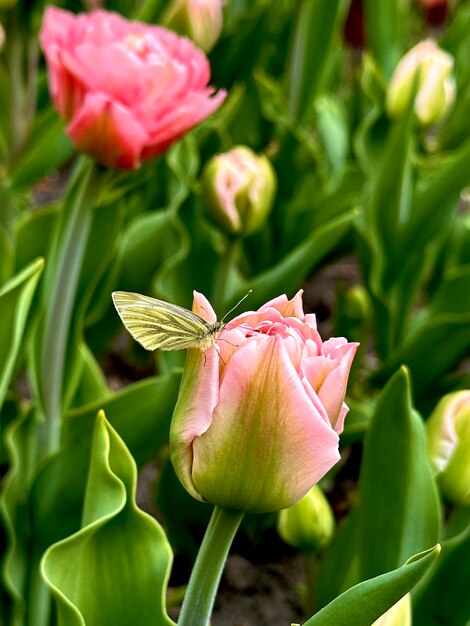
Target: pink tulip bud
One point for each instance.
(238, 190)
(258, 416)
(427, 70)
(200, 20)
(127, 90)
(448, 430)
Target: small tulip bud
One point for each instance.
(397, 615)
(448, 431)
(200, 20)
(2, 36)
(308, 525)
(435, 11)
(239, 189)
(426, 70)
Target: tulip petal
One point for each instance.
(203, 308)
(266, 445)
(333, 389)
(107, 131)
(184, 116)
(198, 396)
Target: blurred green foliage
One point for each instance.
(384, 198)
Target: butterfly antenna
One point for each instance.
(238, 303)
(220, 356)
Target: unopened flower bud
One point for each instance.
(200, 20)
(397, 615)
(238, 190)
(308, 525)
(435, 11)
(426, 72)
(448, 431)
(2, 36)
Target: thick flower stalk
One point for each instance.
(127, 90)
(258, 418)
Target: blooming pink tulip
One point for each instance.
(127, 90)
(257, 425)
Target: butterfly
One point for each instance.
(156, 324)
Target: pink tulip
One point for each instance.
(258, 417)
(127, 90)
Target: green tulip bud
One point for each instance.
(448, 431)
(238, 190)
(309, 524)
(398, 615)
(425, 72)
(200, 20)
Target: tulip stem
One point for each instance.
(223, 279)
(204, 582)
(311, 581)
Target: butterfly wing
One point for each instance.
(158, 324)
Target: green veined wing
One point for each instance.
(156, 324)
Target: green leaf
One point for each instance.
(290, 272)
(21, 440)
(140, 258)
(15, 300)
(442, 596)
(183, 163)
(312, 41)
(399, 510)
(6, 255)
(116, 568)
(448, 330)
(364, 603)
(33, 232)
(382, 20)
(436, 197)
(333, 128)
(339, 568)
(98, 231)
(140, 413)
(92, 385)
(48, 149)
